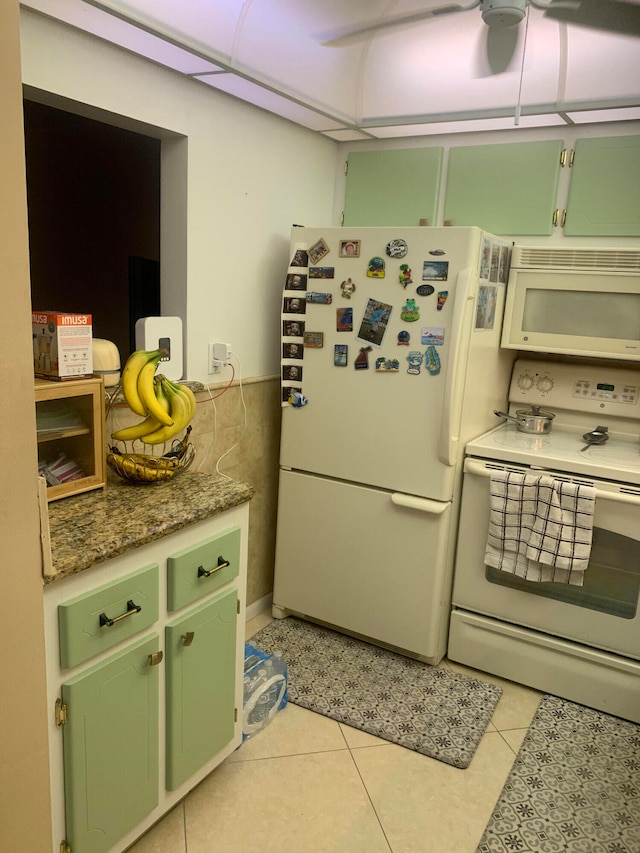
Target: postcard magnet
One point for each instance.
(344, 319)
(319, 298)
(340, 353)
(313, 340)
(432, 336)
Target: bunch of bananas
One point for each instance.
(167, 408)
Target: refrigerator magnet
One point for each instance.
(314, 340)
(387, 365)
(374, 322)
(432, 361)
(340, 354)
(294, 305)
(319, 298)
(442, 298)
(321, 272)
(292, 328)
(291, 373)
(349, 248)
(318, 251)
(292, 350)
(397, 248)
(300, 258)
(432, 336)
(296, 281)
(375, 268)
(362, 360)
(348, 288)
(404, 276)
(435, 270)
(403, 338)
(344, 320)
(296, 399)
(410, 311)
(415, 360)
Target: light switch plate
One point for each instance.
(162, 333)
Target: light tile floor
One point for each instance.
(307, 784)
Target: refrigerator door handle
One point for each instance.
(458, 347)
(423, 504)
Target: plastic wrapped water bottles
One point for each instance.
(265, 688)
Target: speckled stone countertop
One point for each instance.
(101, 524)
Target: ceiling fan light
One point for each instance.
(503, 13)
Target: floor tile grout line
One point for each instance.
(366, 790)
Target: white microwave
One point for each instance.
(574, 301)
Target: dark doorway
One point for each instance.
(93, 194)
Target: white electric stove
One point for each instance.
(581, 643)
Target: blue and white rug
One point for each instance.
(431, 710)
(574, 786)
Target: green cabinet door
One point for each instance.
(398, 187)
(508, 188)
(111, 748)
(604, 193)
(201, 678)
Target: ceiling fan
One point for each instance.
(618, 16)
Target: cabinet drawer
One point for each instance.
(98, 620)
(202, 568)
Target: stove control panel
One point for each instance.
(577, 387)
(614, 391)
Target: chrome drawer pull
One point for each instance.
(187, 638)
(206, 573)
(132, 608)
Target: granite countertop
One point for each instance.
(98, 525)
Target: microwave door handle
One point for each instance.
(449, 439)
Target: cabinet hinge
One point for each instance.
(563, 157)
(346, 167)
(235, 715)
(64, 847)
(342, 218)
(572, 157)
(238, 607)
(61, 713)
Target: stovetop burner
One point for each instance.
(565, 450)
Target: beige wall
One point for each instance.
(25, 823)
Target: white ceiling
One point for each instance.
(433, 76)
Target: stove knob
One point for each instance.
(525, 382)
(545, 384)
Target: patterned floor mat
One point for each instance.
(574, 786)
(431, 710)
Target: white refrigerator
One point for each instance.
(391, 361)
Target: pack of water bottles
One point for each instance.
(265, 688)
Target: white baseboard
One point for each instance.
(258, 607)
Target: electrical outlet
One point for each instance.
(219, 355)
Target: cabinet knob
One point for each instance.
(155, 658)
(187, 638)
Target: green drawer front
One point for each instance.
(110, 742)
(83, 628)
(202, 568)
(201, 678)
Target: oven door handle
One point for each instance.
(473, 466)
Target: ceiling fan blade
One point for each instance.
(344, 37)
(613, 16)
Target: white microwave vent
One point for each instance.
(542, 257)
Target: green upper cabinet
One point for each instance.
(604, 194)
(506, 189)
(398, 187)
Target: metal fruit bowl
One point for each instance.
(149, 468)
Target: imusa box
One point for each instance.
(62, 347)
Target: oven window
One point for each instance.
(611, 580)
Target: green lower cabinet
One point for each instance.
(111, 747)
(200, 688)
